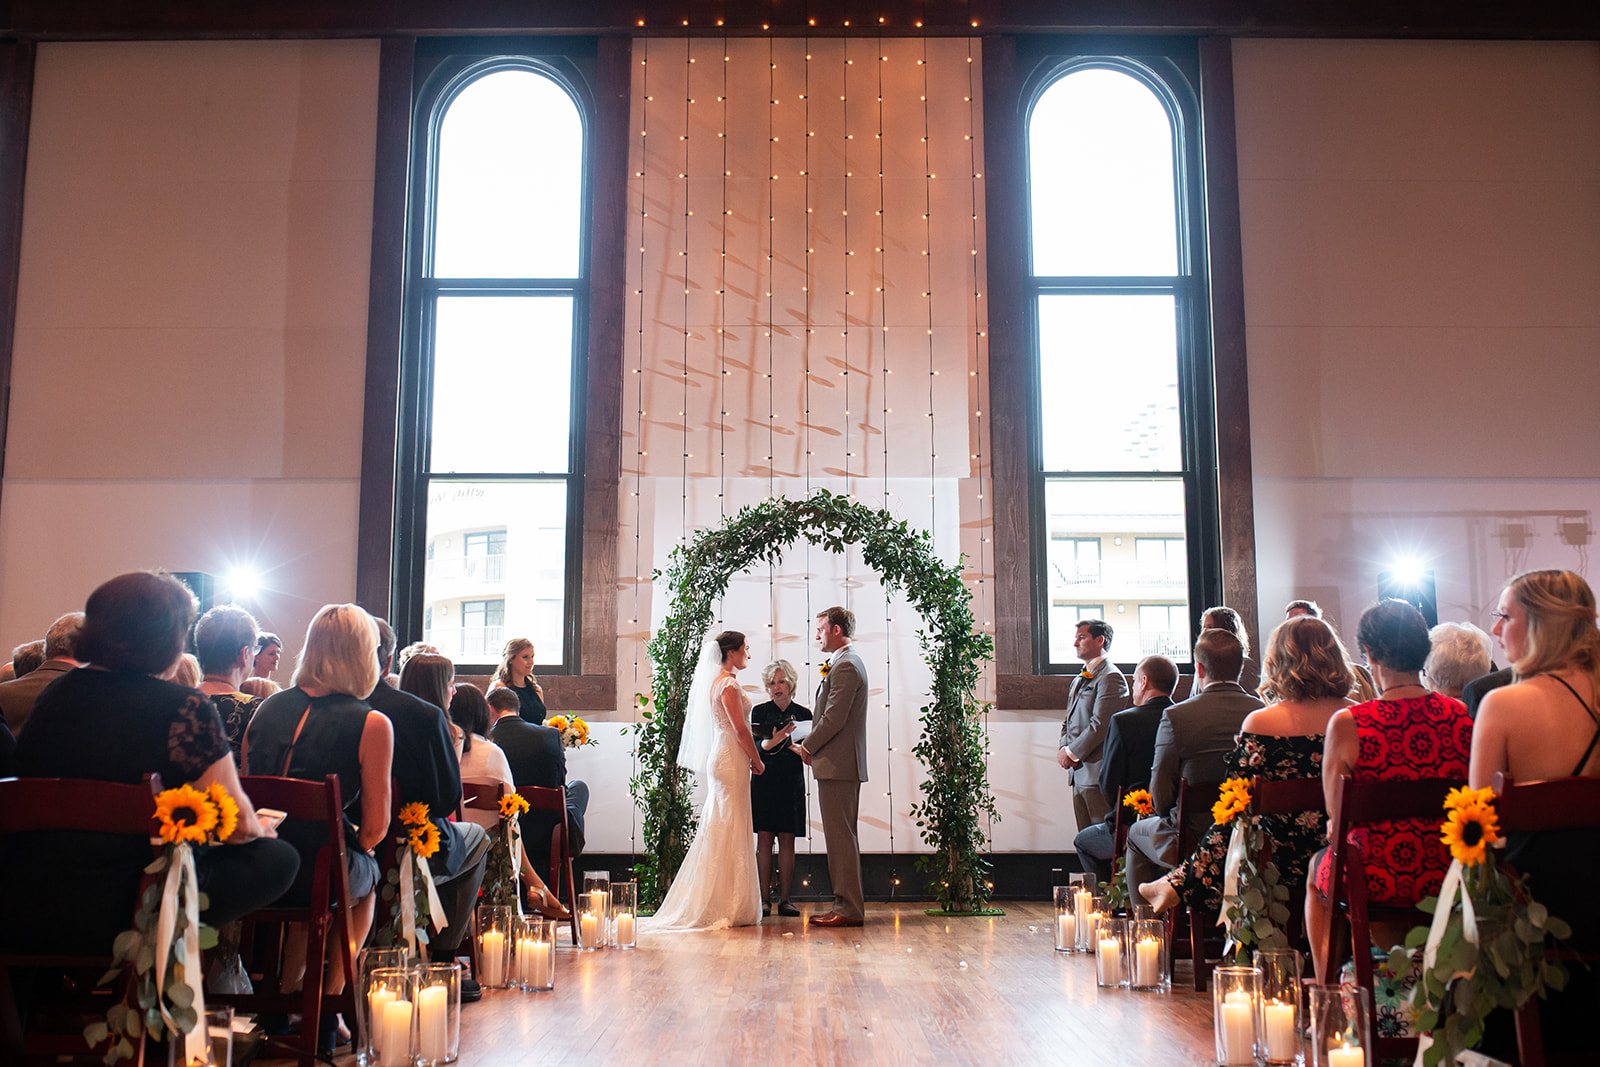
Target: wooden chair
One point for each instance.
(1360, 803)
(327, 915)
(1288, 797)
(542, 798)
(1193, 797)
(66, 804)
(1530, 807)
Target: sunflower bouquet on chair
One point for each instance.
(574, 731)
(500, 873)
(1487, 946)
(1138, 802)
(165, 998)
(1254, 906)
(410, 882)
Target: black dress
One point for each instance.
(531, 704)
(778, 795)
(74, 892)
(329, 743)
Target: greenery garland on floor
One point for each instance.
(953, 747)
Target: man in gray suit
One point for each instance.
(1099, 692)
(836, 752)
(1192, 741)
(60, 656)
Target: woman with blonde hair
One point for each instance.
(323, 725)
(516, 674)
(1307, 669)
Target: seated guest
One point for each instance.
(1129, 751)
(1407, 733)
(1547, 725)
(60, 656)
(269, 649)
(427, 770)
(225, 640)
(482, 762)
(432, 677)
(516, 673)
(1191, 743)
(185, 670)
(1223, 618)
(1363, 688)
(1459, 653)
(1473, 692)
(259, 687)
(25, 659)
(323, 725)
(116, 722)
(1308, 671)
(415, 648)
(537, 758)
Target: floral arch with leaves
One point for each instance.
(953, 748)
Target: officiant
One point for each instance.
(778, 797)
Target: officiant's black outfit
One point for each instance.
(778, 796)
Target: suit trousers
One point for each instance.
(1147, 859)
(1089, 805)
(840, 802)
(1095, 845)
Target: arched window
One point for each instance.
(489, 522)
(1118, 313)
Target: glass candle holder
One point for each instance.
(1236, 1008)
(495, 942)
(1340, 1034)
(370, 961)
(625, 914)
(595, 910)
(1111, 952)
(1149, 955)
(1281, 1024)
(1086, 909)
(535, 959)
(218, 1051)
(391, 996)
(438, 1014)
(1066, 920)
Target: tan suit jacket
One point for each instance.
(838, 738)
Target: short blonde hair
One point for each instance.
(1459, 654)
(773, 668)
(341, 652)
(259, 687)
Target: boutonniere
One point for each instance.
(1086, 674)
(823, 670)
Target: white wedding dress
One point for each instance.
(718, 886)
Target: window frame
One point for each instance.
(442, 74)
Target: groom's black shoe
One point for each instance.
(832, 920)
(766, 910)
(788, 910)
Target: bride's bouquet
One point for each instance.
(574, 731)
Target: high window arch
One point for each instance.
(489, 500)
(1122, 487)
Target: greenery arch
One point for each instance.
(952, 747)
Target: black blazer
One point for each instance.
(537, 758)
(1130, 749)
(1473, 692)
(425, 764)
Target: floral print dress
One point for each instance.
(1295, 838)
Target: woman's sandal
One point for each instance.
(546, 904)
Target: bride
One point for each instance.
(717, 886)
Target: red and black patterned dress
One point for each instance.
(1424, 737)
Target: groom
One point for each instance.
(836, 752)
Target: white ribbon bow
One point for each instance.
(408, 903)
(1448, 892)
(1230, 874)
(514, 849)
(181, 880)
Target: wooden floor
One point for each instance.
(906, 988)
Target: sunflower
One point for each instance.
(1139, 800)
(512, 804)
(1232, 800)
(1466, 798)
(823, 670)
(185, 814)
(227, 811)
(1469, 831)
(414, 813)
(424, 840)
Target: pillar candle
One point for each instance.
(493, 947)
(589, 929)
(525, 946)
(543, 964)
(1283, 1043)
(1110, 961)
(433, 1009)
(1346, 1057)
(1238, 1031)
(625, 932)
(1147, 965)
(1065, 934)
(396, 1034)
(375, 1002)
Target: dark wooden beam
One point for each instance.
(1235, 486)
(102, 19)
(16, 108)
(385, 311)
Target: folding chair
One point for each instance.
(28, 805)
(1531, 807)
(1361, 802)
(542, 798)
(327, 915)
(1193, 797)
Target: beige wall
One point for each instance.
(191, 322)
(1421, 225)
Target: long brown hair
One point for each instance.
(513, 649)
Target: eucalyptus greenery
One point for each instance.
(139, 1014)
(952, 747)
(1257, 913)
(1508, 963)
(500, 869)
